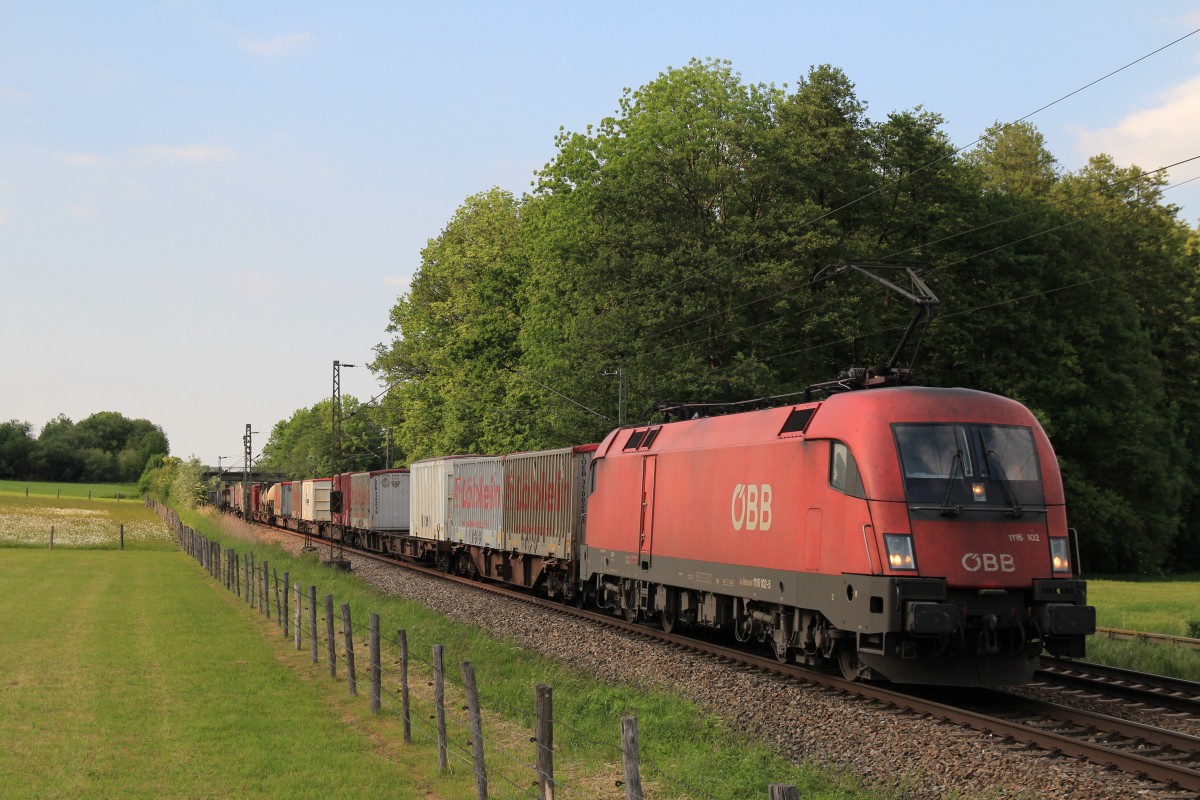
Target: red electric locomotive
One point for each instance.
(914, 534)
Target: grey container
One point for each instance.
(476, 502)
(545, 496)
(389, 496)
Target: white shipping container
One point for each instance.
(476, 502)
(430, 497)
(315, 499)
(389, 500)
(545, 495)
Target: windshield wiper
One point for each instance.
(1015, 509)
(947, 509)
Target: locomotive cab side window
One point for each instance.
(843, 471)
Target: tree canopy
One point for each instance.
(106, 447)
(677, 239)
(302, 445)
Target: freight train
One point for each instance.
(912, 534)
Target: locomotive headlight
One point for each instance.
(1060, 554)
(979, 492)
(899, 551)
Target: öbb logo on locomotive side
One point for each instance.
(751, 507)
(989, 562)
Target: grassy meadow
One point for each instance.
(78, 522)
(1170, 607)
(129, 674)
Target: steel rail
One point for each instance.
(1160, 690)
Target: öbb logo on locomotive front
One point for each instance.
(989, 562)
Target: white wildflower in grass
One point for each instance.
(75, 527)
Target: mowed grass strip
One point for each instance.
(127, 674)
(96, 491)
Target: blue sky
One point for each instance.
(203, 204)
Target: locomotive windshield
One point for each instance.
(953, 467)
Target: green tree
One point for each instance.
(302, 445)
(457, 331)
(652, 233)
(16, 449)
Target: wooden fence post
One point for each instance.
(299, 612)
(249, 570)
(544, 736)
(285, 617)
(402, 640)
(51, 537)
(376, 677)
(122, 533)
(280, 608)
(348, 634)
(329, 636)
(629, 750)
(266, 590)
(481, 785)
(783, 791)
(312, 619)
(439, 701)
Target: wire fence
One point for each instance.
(435, 707)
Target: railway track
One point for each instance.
(1158, 691)
(1167, 758)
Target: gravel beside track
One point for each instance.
(897, 754)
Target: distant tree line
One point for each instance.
(106, 447)
(677, 239)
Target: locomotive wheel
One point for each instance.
(848, 661)
(668, 619)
